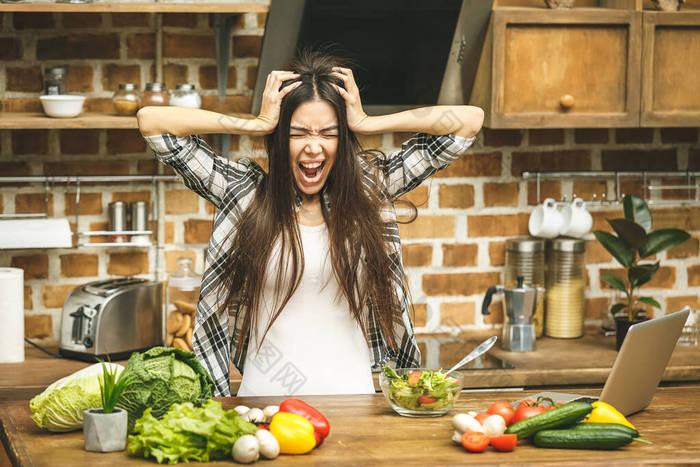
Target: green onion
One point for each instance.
(111, 387)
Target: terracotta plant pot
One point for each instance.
(104, 432)
(622, 325)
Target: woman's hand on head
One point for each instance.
(272, 98)
(357, 118)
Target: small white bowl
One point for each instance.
(62, 105)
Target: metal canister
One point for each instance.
(566, 281)
(525, 258)
(138, 211)
(117, 212)
(139, 215)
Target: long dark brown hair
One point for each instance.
(356, 230)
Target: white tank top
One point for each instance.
(315, 346)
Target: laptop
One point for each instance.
(639, 365)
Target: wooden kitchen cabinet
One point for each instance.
(671, 69)
(543, 68)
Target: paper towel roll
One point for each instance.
(35, 233)
(11, 315)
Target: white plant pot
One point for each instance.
(104, 432)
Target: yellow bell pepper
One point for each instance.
(294, 433)
(606, 413)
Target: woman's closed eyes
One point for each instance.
(299, 132)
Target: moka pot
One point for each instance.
(518, 332)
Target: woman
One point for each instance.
(306, 259)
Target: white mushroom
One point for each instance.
(269, 411)
(269, 447)
(241, 409)
(246, 449)
(254, 415)
(465, 423)
(457, 437)
(494, 425)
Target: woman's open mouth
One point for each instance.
(311, 172)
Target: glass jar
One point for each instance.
(525, 257)
(155, 94)
(126, 99)
(182, 294)
(53, 80)
(185, 95)
(566, 281)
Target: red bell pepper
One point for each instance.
(319, 422)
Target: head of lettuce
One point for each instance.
(159, 378)
(60, 407)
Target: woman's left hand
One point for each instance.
(357, 118)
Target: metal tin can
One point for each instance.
(566, 281)
(525, 257)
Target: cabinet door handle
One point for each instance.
(566, 102)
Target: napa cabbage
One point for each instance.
(60, 407)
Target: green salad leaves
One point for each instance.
(421, 390)
(188, 433)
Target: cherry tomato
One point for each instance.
(504, 409)
(527, 411)
(413, 378)
(504, 443)
(480, 417)
(426, 400)
(474, 442)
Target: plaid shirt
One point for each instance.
(231, 185)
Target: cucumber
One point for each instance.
(567, 414)
(605, 426)
(582, 439)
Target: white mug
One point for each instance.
(577, 221)
(546, 220)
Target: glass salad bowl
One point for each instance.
(420, 392)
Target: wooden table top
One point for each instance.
(365, 431)
(555, 362)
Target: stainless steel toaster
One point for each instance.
(111, 319)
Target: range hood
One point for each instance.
(408, 53)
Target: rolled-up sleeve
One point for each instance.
(420, 157)
(201, 168)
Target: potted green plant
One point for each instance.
(634, 242)
(104, 428)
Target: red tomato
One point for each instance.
(526, 403)
(480, 417)
(504, 443)
(475, 442)
(504, 409)
(426, 400)
(413, 378)
(522, 413)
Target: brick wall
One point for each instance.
(452, 253)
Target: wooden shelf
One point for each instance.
(192, 7)
(86, 121)
(37, 120)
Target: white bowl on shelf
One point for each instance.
(62, 105)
